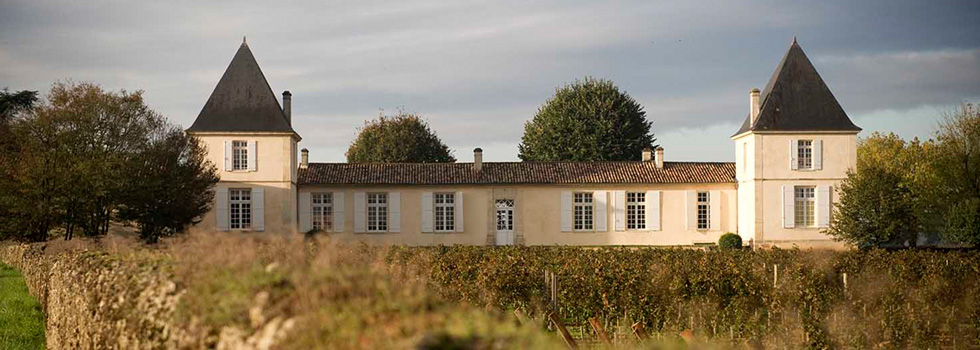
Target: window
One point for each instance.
(322, 211)
(704, 210)
(240, 208)
(583, 211)
(636, 207)
(377, 212)
(804, 154)
(445, 211)
(804, 205)
(505, 214)
(239, 155)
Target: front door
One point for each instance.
(505, 221)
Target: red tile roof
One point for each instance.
(516, 173)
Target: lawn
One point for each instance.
(21, 320)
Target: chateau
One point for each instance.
(792, 150)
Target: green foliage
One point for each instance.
(963, 222)
(588, 120)
(21, 319)
(402, 138)
(957, 164)
(875, 207)
(730, 241)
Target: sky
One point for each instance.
(477, 71)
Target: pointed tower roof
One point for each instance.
(797, 99)
(242, 100)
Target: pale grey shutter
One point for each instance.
(788, 207)
(794, 152)
(258, 209)
(817, 154)
(427, 215)
(619, 210)
(459, 211)
(653, 210)
(714, 216)
(601, 215)
(359, 208)
(338, 212)
(221, 208)
(566, 211)
(252, 155)
(228, 155)
(395, 208)
(823, 205)
(691, 204)
(305, 211)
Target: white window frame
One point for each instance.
(240, 208)
(804, 155)
(321, 215)
(636, 211)
(804, 206)
(239, 155)
(583, 211)
(444, 211)
(703, 210)
(505, 214)
(377, 211)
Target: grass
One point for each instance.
(21, 320)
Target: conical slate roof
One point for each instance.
(797, 99)
(242, 100)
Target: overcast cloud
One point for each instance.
(478, 70)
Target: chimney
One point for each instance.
(287, 106)
(304, 158)
(646, 155)
(660, 157)
(753, 106)
(477, 159)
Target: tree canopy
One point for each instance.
(401, 138)
(588, 120)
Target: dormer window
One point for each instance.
(239, 151)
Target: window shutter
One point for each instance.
(714, 214)
(228, 154)
(305, 211)
(251, 155)
(459, 211)
(601, 217)
(817, 154)
(427, 216)
(221, 208)
(653, 210)
(794, 153)
(566, 211)
(359, 208)
(395, 208)
(788, 209)
(824, 205)
(338, 212)
(258, 209)
(692, 210)
(619, 210)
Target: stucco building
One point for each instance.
(794, 147)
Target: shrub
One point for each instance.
(730, 241)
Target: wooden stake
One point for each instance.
(521, 318)
(639, 332)
(600, 330)
(553, 316)
(775, 274)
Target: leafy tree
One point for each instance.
(875, 207)
(957, 165)
(12, 103)
(402, 138)
(588, 120)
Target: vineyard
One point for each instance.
(772, 298)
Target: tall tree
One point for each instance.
(588, 120)
(957, 165)
(402, 138)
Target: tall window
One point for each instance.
(505, 214)
(636, 206)
(322, 211)
(804, 156)
(583, 211)
(704, 211)
(445, 211)
(239, 155)
(240, 208)
(377, 212)
(805, 203)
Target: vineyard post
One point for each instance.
(845, 285)
(600, 330)
(775, 274)
(553, 316)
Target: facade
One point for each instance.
(793, 149)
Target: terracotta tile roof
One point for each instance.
(516, 173)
